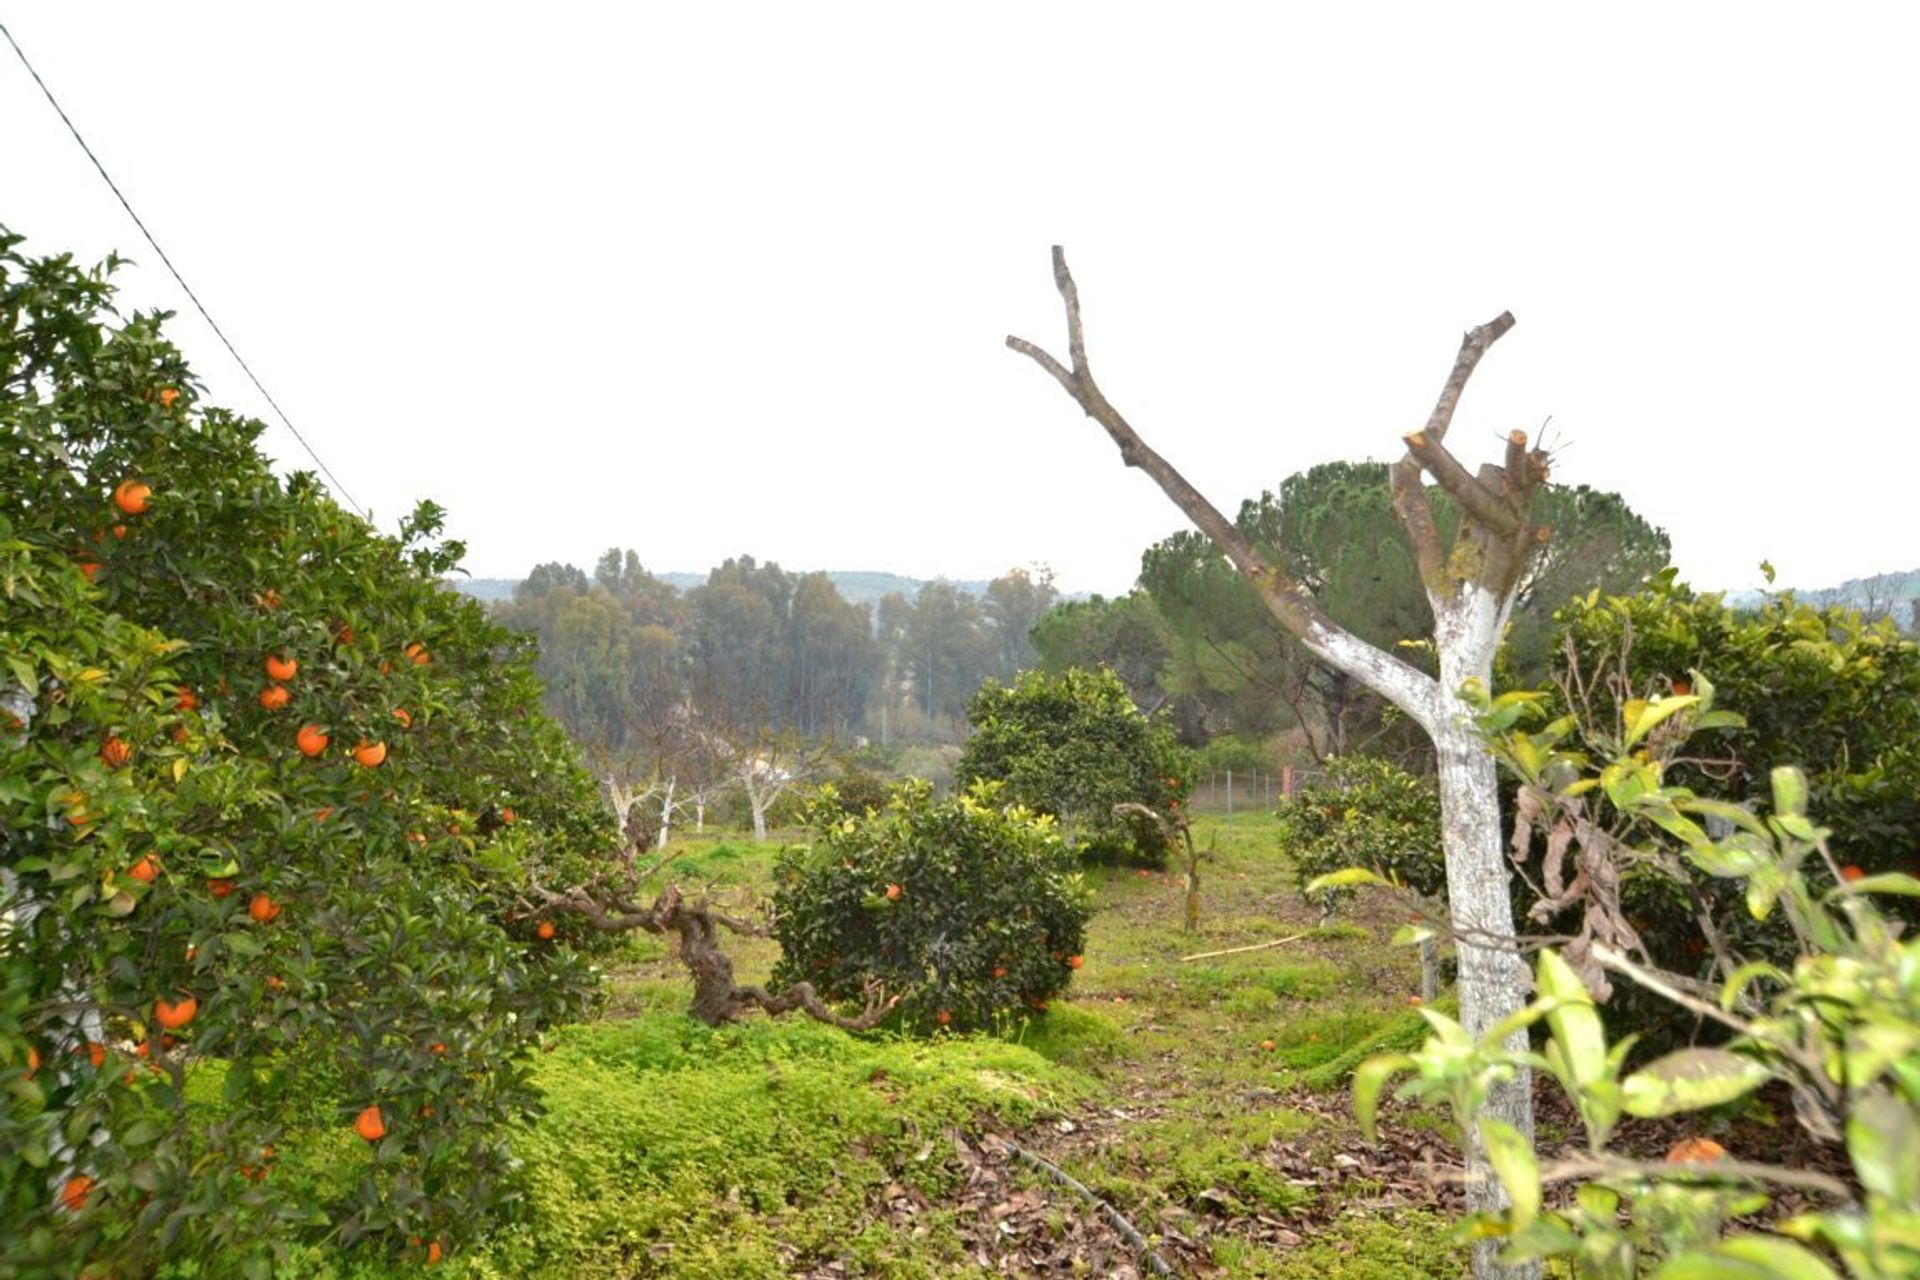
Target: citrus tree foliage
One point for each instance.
(269, 796)
(967, 908)
(1838, 1025)
(1366, 813)
(1074, 746)
(1802, 683)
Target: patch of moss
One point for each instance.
(1405, 1033)
(1394, 1246)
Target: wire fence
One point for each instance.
(1231, 791)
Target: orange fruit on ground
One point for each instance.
(220, 888)
(893, 893)
(1414, 1001)
(115, 752)
(263, 908)
(1850, 873)
(943, 1017)
(74, 1195)
(310, 740)
(280, 668)
(433, 1252)
(546, 929)
(400, 714)
(370, 754)
(131, 496)
(370, 1124)
(437, 1046)
(1267, 1045)
(146, 871)
(269, 599)
(174, 1016)
(275, 696)
(1074, 962)
(276, 983)
(1000, 971)
(1696, 1151)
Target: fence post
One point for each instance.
(1286, 781)
(1229, 795)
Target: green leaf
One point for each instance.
(1884, 1141)
(1345, 878)
(1511, 1156)
(1749, 1258)
(1656, 713)
(1898, 883)
(1789, 791)
(1574, 1021)
(1368, 1080)
(1691, 1080)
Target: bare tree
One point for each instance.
(1471, 587)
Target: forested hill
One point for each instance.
(856, 586)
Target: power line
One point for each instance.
(178, 278)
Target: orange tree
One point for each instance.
(270, 798)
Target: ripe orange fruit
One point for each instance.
(174, 1016)
(263, 908)
(220, 888)
(310, 740)
(893, 893)
(33, 1061)
(342, 633)
(146, 871)
(370, 754)
(370, 1124)
(1696, 1151)
(1000, 971)
(1850, 873)
(438, 1046)
(433, 1252)
(546, 929)
(417, 654)
(74, 1195)
(1681, 688)
(943, 1017)
(1074, 962)
(1267, 1045)
(115, 752)
(269, 599)
(506, 816)
(275, 696)
(400, 714)
(1414, 1001)
(119, 531)
(131, 496)
(276, 983)
(187, 701)
(96, 1052)
(168, 395)
(280, 668)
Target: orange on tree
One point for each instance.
(263, 908)
(417, 654)
(33, 1061)
(371, 1124)
(310, 740)
(131, 496)
(406, 720)
(280, 668)
(1074, 962)
(186, 700)
(506, 816)
(1850, 873)
(174, 1015)
(168, 395)
(146, 871)
(115, 752)
(370, 755)
(73, 1195)
(275, 696)
(545, 929)
(893, 893)
(220, 888)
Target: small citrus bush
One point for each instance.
(1073, 745)
(966, 908)
(1368, 813)
(269, 795)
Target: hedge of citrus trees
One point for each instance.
(969, 909)
(269, 795)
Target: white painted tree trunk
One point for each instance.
(1493, 982)
(759, 804)
(666, 815)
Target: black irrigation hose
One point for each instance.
(1128, 1232)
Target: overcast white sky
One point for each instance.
(709, 279)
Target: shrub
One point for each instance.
(344, 923)
(1074, 746)
(967, 908)
(1368, 813)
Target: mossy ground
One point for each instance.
(762, 1149)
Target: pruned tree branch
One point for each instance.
(1412, 690)
(1473, 496)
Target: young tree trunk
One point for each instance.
(758, 802)
(666, 815)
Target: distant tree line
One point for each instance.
(629, 660)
